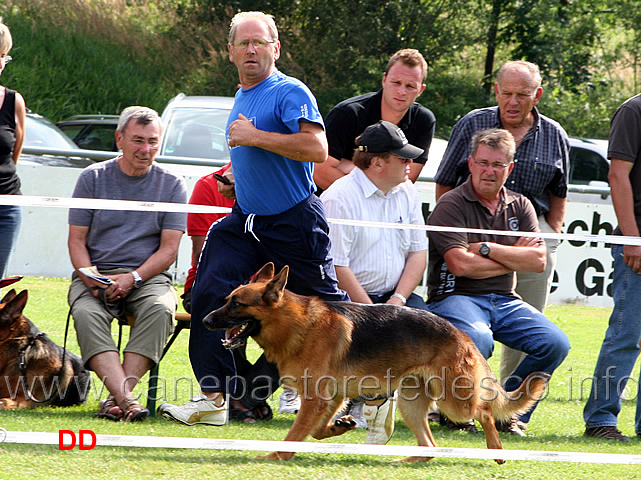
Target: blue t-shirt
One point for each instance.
(268, 183)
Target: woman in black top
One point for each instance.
(12, 129)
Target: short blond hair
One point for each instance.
(496, 139)
(6, 42)
(263, 17)
(410, 57)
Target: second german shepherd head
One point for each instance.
(240, 315)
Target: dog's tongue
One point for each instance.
(232, 332)
(232, 337)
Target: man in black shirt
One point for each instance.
(403, 82)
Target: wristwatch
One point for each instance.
(137, 279)
(484, 250)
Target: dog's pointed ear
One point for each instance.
(274, 290)
(14, 307)
(265, 274)
(11, 294)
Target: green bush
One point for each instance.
(88, 56)
(65, 64)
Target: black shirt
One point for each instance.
(351, 117)
(9, 181)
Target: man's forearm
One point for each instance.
(464, 263)
(441, 189)
(519, 259)
(327, 172)
(348, 282)
(556, 215)
(412, 273)
(304, 146)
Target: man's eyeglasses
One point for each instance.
(498, 166)
(141, 142)
(257, 43)
(6, 59)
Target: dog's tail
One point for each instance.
(507, 405)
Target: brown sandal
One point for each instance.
(110, 410)
(133, 411)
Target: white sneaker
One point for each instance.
(199, 410)
(353, 407)
(380, 421)
(289, 401)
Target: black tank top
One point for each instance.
(9, 181)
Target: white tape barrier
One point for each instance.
(46, 438)
(90, 203)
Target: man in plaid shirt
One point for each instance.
(541, 168)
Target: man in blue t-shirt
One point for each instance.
(275, 134)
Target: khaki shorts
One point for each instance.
(153, 305)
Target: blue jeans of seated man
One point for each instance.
(512, 322)
(10, 222)
(619, 351)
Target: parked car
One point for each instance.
(41, 132)
(195, 127)
(437, 150)
(91, 132)
(589, 164)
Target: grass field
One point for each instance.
(557, 424)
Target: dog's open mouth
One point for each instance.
(235, 337)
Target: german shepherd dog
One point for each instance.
(31, 369)
(331, 351)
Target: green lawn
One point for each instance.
(556, 425)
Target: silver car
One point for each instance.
(42, 133)
(195, 127)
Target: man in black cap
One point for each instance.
(374, 264)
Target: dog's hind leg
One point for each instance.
(486, 418)
(414, 413)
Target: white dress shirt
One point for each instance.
(376, 256)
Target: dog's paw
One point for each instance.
(8, 404)
(276, 456)
(346, 421)
(413, 459)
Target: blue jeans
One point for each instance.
(10, 222)
(512, 322)
(619, 351)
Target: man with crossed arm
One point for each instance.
(471, 275)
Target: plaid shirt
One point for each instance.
(541, 162)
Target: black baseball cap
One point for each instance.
(384, 137)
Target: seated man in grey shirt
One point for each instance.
(133, 250)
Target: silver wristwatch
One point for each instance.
(137, 279)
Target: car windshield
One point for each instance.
(196, 132)
(40, 132)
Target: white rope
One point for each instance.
(90, 203)
(47, 438)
